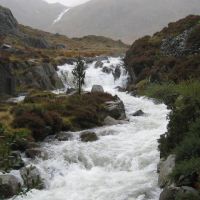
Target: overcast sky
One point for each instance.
(68, 2)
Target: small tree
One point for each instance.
(79, 74)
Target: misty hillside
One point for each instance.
(124, 19)
(36, 13)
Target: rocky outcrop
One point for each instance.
(115, 109)
(165, 168)
(176, 46)
(8, 24)
(9, 186)
(43, 76)
(36, 42)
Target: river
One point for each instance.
(121, 165)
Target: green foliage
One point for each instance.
(188, 148)
(79, 74)
(188, 196)
(179, 125)
(188, 168)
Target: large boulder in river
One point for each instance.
(138, 113)
(32, 177)
(36, 152)
(9, 186)
(115, 109)
(97, 88)
(117, 72)
(165, 168)
(88, 136)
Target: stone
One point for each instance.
(36, 152)
(120, 89)
(36, 42)
(109, 121)
(166, 168)
(117, 73)
(107, 70)
(70, 90)
(169, 193)
(88, 136)
(32, 177)
(63, 136)
(115, 109)
(97, 88)
(98, 64)
(9, 186)
(138, 113)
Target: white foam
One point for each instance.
(121, 165)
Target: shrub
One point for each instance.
(188, 168)
(179, 125)
(188, 148)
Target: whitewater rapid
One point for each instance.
(121, 165)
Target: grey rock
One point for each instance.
(97, 88)
(9, 186)
(115, 109)
(32, 177)
(117, 73)
(120, 89)
(169, 193)
(166, 167)
(70, 90)
(63, 136)
(88, 136)
(138, 113)
(36, 152)
(8, 24)
(98, 64)
(109, 121)
(107, 70)
(36, 42)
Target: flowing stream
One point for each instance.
(121, 165)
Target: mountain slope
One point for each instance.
(172, 54)
(36, 13)
(123, 19)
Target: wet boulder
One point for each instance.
(169, 193)
(98, 64)
(165, 169)
(32, 177)
(9, 186)
(109, 121)
(115, 109)
(138, 113)
(16, 160)
(88, 136)
(117, 73)
(36, 152)
(120, 89)
(107, 70)
(63, 136)
(97, 88)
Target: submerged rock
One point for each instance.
(9, 186)
(88, 136)
(97, 88)
(117, 73)
(107, 70)
(138, 113)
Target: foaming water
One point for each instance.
(121, 165)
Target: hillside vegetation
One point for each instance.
(166, 67)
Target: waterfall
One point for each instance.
(121, 165)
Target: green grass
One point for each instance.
(190, 88)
